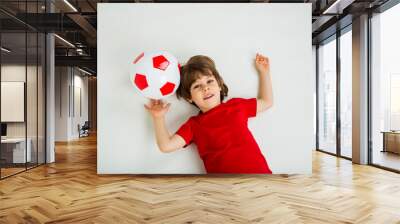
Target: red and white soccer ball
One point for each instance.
(155, 74)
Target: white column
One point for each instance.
(360, 90)
(50, 92)
(50, 110)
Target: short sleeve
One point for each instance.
(186, 131)
(248, 106)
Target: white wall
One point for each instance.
(79, 117)
(17, 73)
(231, 34)
(67, 117)
(61, 103)
(314, 73)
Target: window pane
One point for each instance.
(346, 93)
(386, 88)
(327, 97)
(31, 101)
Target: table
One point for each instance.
(391, 141)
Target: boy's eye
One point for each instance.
(210, 81)
(196, 86)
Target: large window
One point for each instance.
(385, 88)
(334, 138)
(327, 96)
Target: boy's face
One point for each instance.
(205, 93)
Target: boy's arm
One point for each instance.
(165, 141)
(265, 97)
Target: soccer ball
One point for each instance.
(155, 75)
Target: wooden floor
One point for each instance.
(70, 191)
(5, 172)
(387, 159)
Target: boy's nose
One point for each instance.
(206, 88)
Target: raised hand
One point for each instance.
(157, 108)
(262, 64)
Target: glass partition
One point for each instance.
(41, 107)
(22, 101)
(13, 110)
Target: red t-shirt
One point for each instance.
(224, 142)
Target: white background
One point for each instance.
(231, 34)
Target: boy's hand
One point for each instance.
(262, 64)
(157, 108)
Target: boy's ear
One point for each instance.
(189, 100)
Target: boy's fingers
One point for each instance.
(165, 105)
(153, 102)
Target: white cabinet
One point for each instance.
(18, 149)
(12, 101)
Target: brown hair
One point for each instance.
(196, 67)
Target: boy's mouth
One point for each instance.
(208, 97)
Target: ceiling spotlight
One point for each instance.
(70, 5)
(337, 7)
(84, 71)
(64, 40)
(5, 50)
